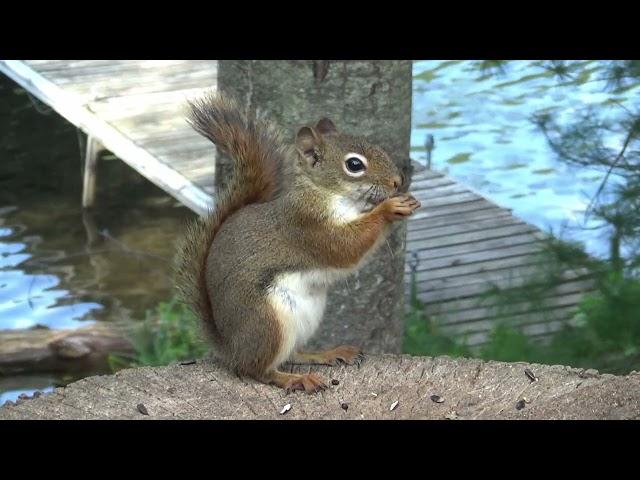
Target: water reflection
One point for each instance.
(60, 269)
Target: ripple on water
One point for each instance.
(493, 114)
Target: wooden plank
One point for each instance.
(53, 65)
(448, 200)
(572, 291)
(431, 275)
(473, 237)
(533, 330)
(419, 185)
(101, 84)
(432, 211)
(68, 106)
(428, 264)
(422, 173)
(439, 306)
(112, 72)
(139, 127)
(455, 218)
(427, 195)
(169, 146)
(467, 227)
(149, 103)
(561, 314)
(491, 311)
(468, 287)
(485, 244)
(503, 278)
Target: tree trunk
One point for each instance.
(370, 98)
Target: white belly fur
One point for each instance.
(299, 300)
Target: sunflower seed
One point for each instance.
(437, 398)
(520, 405)
(393, 406)
(530, 375)
(335, 382)
(142, 409)
(344, 406)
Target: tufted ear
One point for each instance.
(307, 142)
(326, 127)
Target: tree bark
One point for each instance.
(423, 387)
(370, 98)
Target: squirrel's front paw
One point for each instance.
(397, 208)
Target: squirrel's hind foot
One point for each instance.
(290, 382)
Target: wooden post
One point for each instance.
(90, 168)
(370, 98)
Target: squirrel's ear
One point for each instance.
(306, 142)
(326, 127)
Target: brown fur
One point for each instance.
(275, 217)
(258, 152)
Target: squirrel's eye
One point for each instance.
(355, 165)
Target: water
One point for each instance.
(51, 275)
(484, 137)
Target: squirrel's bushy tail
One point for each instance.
(259, 154)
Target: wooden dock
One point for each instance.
(459, 243)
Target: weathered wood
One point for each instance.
(456, 219)
(92, 150)
(430, 211)
(72, 108)
(470, 389)
(472, 237)
(427, 263)
(462, 228)
(476, 287)
(41, 350)
(469, 318)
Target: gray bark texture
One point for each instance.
(370, 98)
(467, 389)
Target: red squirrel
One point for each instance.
(291, 221)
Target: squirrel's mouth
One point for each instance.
(376, 195)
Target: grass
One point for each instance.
(169, 334)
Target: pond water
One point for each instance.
(51, 275)
(484, 136)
